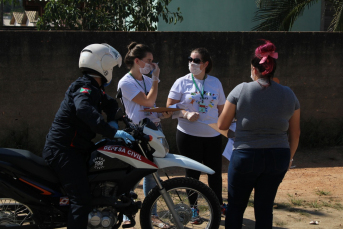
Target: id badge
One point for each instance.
(202, 107)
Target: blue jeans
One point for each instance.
(259, 169)
(148, 184)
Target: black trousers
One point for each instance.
(71, 168)
(206, 150)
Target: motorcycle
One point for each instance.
(31, 196)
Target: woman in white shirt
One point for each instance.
(203, 99)
(139, 93)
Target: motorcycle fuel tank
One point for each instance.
(117, 157)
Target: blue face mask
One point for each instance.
(106, 84)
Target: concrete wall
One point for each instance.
(36, 69)
(229, 15)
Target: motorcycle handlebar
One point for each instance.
(137, 133)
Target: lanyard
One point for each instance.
(139, 83)
(203, 85)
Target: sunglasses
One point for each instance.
(195, 60)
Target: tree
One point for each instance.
(2, 3)
(107, 15)
(280, 15)
(2, 13)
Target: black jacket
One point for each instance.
(79, 117)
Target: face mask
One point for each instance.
(147, 68)
(194, 68)
(252, 77)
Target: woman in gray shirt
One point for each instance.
(263, 152)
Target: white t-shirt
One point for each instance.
(190, 99)
(130, 88)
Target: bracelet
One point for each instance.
(292, 159)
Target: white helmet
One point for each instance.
(101, 58)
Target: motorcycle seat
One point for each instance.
(29, 162)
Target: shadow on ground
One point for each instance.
(248, 224)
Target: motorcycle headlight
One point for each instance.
(164, 143)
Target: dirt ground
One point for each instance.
(312, 191)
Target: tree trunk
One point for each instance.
(2, 13)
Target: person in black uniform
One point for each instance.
(76, 123)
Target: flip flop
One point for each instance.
(159, 224)
(128, 222)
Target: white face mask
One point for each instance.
(252, 77)
(194, 68)
(147, 68)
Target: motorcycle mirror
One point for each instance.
(119, 94)
(119, 115)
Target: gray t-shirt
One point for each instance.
(262, 114)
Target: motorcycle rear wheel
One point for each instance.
(13, 213)
(179, 189)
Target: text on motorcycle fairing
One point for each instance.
(123, 150)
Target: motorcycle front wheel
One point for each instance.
(195, 203)
(13, 213)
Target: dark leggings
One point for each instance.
(206, 150)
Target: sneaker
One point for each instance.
(196, 219)
(223, 209)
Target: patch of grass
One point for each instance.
(303, 213)
(338, 206)
(297, 202)
(281, 205)
(251, 203)
(280, 223)
(203, 208)
(315, 204)
(322, 192)
(326, 204)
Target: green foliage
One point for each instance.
(315, 204)
(12, 5)
(322, 192)
(337, 21)
(280, 15)
(338, 206)
(107, 15)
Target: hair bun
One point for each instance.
(265, 50)
(132, 45)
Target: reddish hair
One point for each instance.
(267, 55)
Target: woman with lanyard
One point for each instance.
(203, 99)
(139, 93)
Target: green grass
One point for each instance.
(338, 206)
(322, 193)
(280, 223)
(203, 208)
(297, 202)
(300, 212)
(282, 205)
(251, 203)
(315, 204)
(326, 204)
